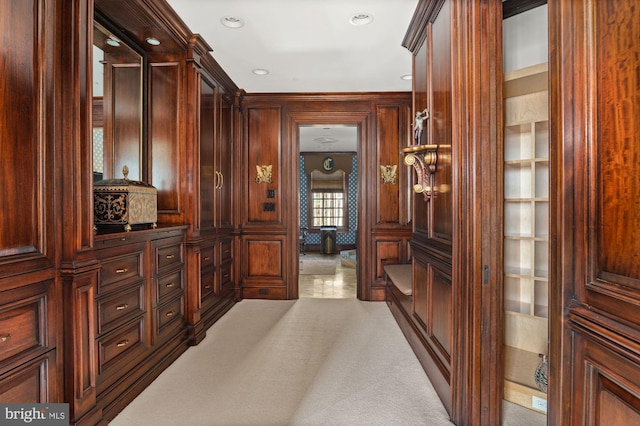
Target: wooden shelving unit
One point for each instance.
(526, 231)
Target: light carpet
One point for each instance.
(317, 267)
(305, 362)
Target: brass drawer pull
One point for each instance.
(5, 337)
(207, 286)
(170, 314)
(122, 343)
(170, 285)
(170, 256)
(121, 271)
(122, 307)
(207, 258)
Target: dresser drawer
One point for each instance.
(225, 250)
(207, 282)
(120, 268)
(172, 311)
(169, 284)
(207, 259)
(116, 346)
(225, 275)
(32, 382)
(119, 307)
(168, 256)
(23, 321)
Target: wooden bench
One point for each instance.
(401, 276)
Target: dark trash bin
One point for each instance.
(328, 241)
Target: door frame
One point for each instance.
(362, 121)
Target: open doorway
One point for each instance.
(526, 217)
(328, 210)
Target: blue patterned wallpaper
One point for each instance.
(348, 238)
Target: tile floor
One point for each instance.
(342, 285)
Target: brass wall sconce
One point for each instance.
(424, 159)
(263, 173)
(389, 174)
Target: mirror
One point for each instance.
(117, 106)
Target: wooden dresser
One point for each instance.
(139, 310)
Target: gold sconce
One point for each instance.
(423, 158)
(263, 174)
(423, 164)
(389, 174)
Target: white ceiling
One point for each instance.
(328, 138)
(307, 45)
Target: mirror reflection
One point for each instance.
(117, 107)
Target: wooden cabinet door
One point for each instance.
(595, 127)
(223, 152)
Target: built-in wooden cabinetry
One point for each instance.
(91, 316)
(141, 327)
(210, 238)
(595, 233)
(452, 316)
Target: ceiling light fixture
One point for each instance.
(232, 22)
(325, 139)
(152, 41)
(260, 71)
(406, 77)
(112, 42)
(361, 19)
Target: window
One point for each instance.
(328, 209)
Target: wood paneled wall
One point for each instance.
(456, 252)
(270, 231)
(595, 327)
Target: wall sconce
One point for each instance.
(263, 174)
(423, 164)
(423, 158)
(389, 174)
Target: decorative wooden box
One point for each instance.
(124, 202)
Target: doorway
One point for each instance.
(526, 217)
(328, 210)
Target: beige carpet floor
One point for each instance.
(305, 362)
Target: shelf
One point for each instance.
(526, 194)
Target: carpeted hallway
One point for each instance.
(305, 362)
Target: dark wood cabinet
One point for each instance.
(139, 310)
(211, 129)
(451, 316)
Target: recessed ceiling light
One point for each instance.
(407, 77)
(112, 42)
(260, 71)
(325, 139)
(152, 41)
(361, 19)
(232, 22)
